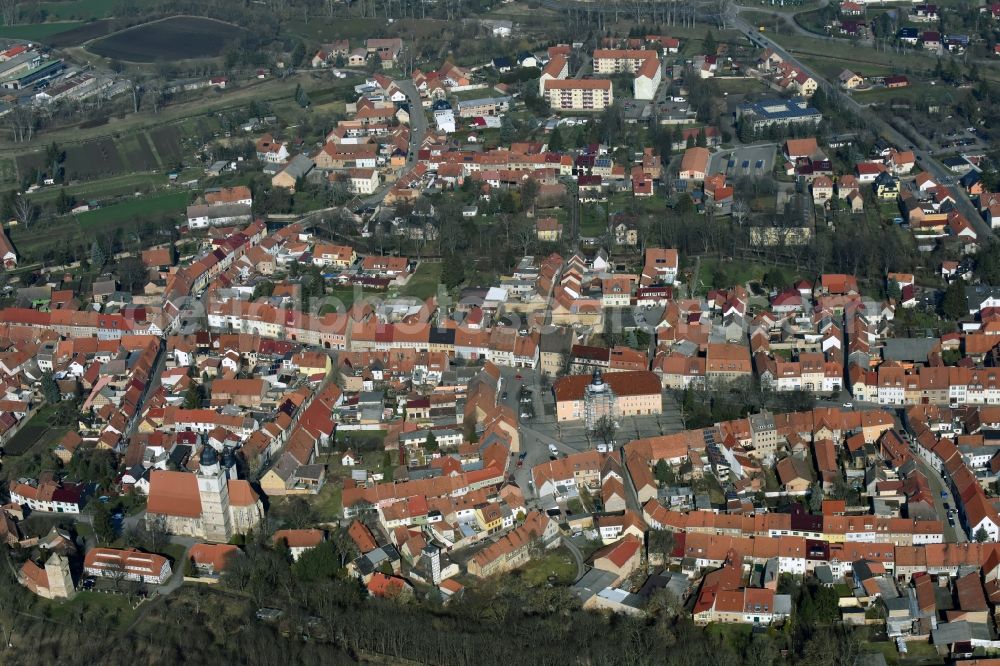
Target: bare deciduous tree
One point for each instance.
(22, 121)
(740, 211)
(25, 211)
(135, 87)
(8, 11)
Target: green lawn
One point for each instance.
(843, 590)
(714, 273)
(558, 563)
(328, 502)
(888, 650)
(734, 634)
(740, 86)
(465, 95)
(888, 210)
(715, 493)
(108, 609)
(925, 653)
(625, 202)
(424, 282)
(593, 220)
(911, 93)
(175, 552)
(106, 187)
(172, 202)
(36, 31)
(360, 440)
(345, 295)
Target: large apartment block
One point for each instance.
(643, 63)
(579, 94)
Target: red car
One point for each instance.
(518, 377)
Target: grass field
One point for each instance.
(26, 437)
(171, 202)
(321, 29)
(8, 171)
(740, 86)
(340, 28)
(80, 9)
(788, 7)
(771, 22)
(199, 112)
(910, 93)
(37, 31)
(82, 33)
(424, 282)
(98, 158)
(734, 634)
(111, 610)
(558, 563)
(625, 202)
(328, 502)
(714, 273)
(346, 295)
(917, 653)
(812, 21)
(361, 439)
(175, 38)
(29, 449)
(845, 54)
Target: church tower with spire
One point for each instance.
(213, 490)
(599, 400)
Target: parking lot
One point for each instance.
(540, 430)
(749, 161)
(961, 138)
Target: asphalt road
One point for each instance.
(151, 388)
(937, 485)
(418, 117)
(577, 556)
(418, 130)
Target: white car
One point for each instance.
(848, 405)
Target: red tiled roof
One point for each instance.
(309, 538)
(173, 494)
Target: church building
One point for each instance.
(206, 505)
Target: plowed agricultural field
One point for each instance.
(175, 38)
